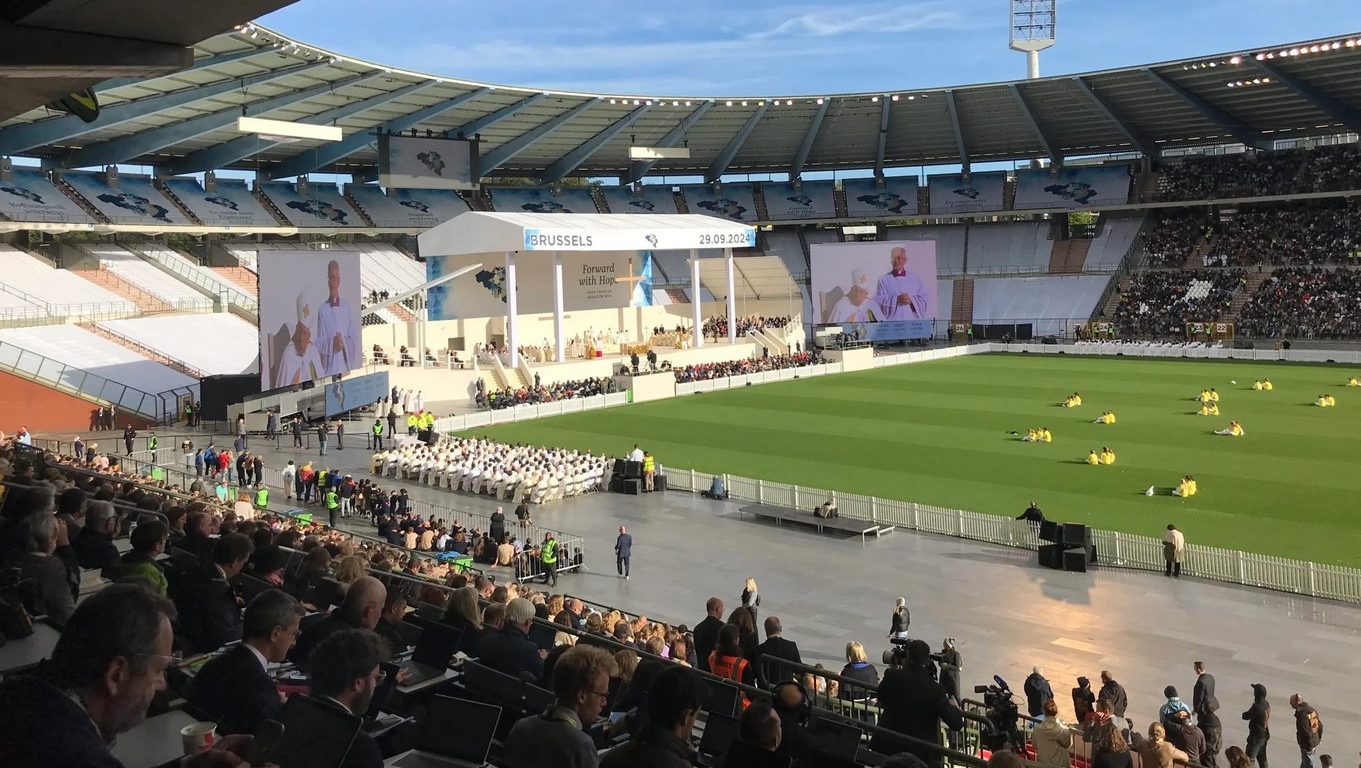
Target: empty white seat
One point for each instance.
(58, 287)
(144, 275)
(949, 241)
(1051, 304)
(213, 343)
(82, 350)
(1117, 235)
(1010, 247)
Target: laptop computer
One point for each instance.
(455, 733)
(318, 734)
(543, 635)
(720, 698)
(434, 650)
(719, 733)
(382, 695)
(837, 740)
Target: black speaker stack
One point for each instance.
(627, 477)
(1070, 547)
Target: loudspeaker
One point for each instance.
(616, 484)
(1050, 531)
(633, 486)
(633, 469)
(1075, 560)
(659, 482)
(1051, 556)
(1075, 534)
(619, 466)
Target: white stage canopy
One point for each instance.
(482, 232)
(508, 234)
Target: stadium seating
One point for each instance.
(14, 309)
(145, 275)
(133, 200)
(1051, 304)
(1109, 247)
(1013, 248)
(384, 268)
(1326, 232)
(213, 344)
(654, 198)
(1172, 236)
(945, 304)
(1254, 174)
(85, 351)
(190, 270)
(406, 208)
(673, 266)
(28, 195)
(247, 255)
(1159, 303)
(949, 239)
(321, 206)
(58, 287)
(785, 243)
(1304, 302)
(230, 204)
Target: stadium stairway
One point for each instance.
(1068, 256)
(79, 199)
(677, 295)
(269, 206)
(241, 277)
(1009, 195)
(144, 351)
(923, 199)
(759, 196)
(1252, 282)
(961, 306)
(175, 201)
(1108, 309)
(681, 205)
(598, 197)
(147, 304)
(1146, 188)
(363, 214)
(1196, 258)
(839, 202)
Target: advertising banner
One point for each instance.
(950, 194)
(590, 280)
(1073, 188)
(347, 395)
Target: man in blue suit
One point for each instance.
(623, 551)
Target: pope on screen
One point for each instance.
(901, 294)
(337, 328)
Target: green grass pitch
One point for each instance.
(937, 433)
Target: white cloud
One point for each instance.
(851, 21)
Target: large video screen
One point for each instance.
(417, 163)
(309, 316)
(876, 291)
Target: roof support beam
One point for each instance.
(35, 51)
(508, 151)
(809, 138)
(1136, 137)
(724, 159)
(573, 160)
(959, 131)
(18, 138)
(1050, 148)
(1239, 130)
(329, 154)
(1326, 104)
(639, 168)
(486, 121)
(135, 145)
(881, 141)
(240, 148)
(204, 62)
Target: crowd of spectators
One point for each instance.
(1324, 233)
(538, 393)
(1159, 303)
(716, 327)
(706, 371)
(1255, 174)
(1304, 302)
(1172, 236)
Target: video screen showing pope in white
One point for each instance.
(890, 284)
(309, 316)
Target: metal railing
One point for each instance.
(32, 365)
(447, 424)
(197, 276)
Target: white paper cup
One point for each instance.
(198, 737)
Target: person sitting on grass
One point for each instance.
(1209, 409)
(1106, 418)
(1072, 401)
(1204, 396)
(1233, 430)
(1266, 385)
(1214, 396)
(1031, 436)
(1093, 458)
(1045, 435)
(1354, 382)
(1107, 456)
(1257, 385)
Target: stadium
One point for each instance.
(1070, 363)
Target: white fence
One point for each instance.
(1118, 550)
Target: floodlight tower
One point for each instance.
(1032, 30)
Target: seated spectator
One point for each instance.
(209, 615)
(148, 542)
(345, 675)
(758, 728)
(52, 584)
(727, 369)
(197, 540)
(556, 738)
(394, 610)
(792, 705)
(70, 712)
(235, 690)
(509, 650)
(462, 614)
(674, 699)
(859, 669)
(361, 609)
(94, 545)
(726, 659)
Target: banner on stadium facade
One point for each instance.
(893, 330)
(347, 395)
(952, 194)
(813, 200)
(871, 198)
(1083, 188)
(590, 280)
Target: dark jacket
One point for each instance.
(1114, 694)
(50, 586)
(391, 635)
(1083, 703)
(653, 748)
(950, 665)
(315, 629)
(471, 637)
(497, 528)
(234, 691)
(44, 727)
(1259, 714)
(623, 545)
(364, 751)
(913, 704)
(859, 671)
(94, 550)
(1203, 697)
(208, 614)
(777, 648)
(1113, 760)
(511, 652)
(1308, 726)
(198, 544)
(1188, 738)
(900, 621)
(706, 637)
(1037, 692)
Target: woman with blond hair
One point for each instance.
(751, 598)
(555, 605)
(902, 618)
(859, 669)
(1156, 751)
(461, 613)
(351, 569)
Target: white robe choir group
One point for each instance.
(514, 473)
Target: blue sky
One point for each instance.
(763, 47)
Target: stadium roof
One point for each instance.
(185, 122)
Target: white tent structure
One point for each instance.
(509, 234)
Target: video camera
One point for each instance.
(897, 655)
(1003, 714)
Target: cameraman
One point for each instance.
(912, 703)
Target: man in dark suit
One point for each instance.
(510, 651)
(345, 675)
(623, 551)
(706, 632)
(1203, 699)
(361, 609)
(775, 647)
(210, 616)
(912, 703)
(196, 538)
(235, 690)
(102, 675)
(94, 545)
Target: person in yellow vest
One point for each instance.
(1107, 456)
(1321, 402)
(1204, 396)
(1329, 400)
(649, 470)
(1257, 385)
(378, 434)
(548, 555)
(429, 419)
(1191, 486)
(261, 497)
(1110, 417)
(1214, 396)
(1266, 385)
(333, 506)
(1046, 435)
(1077, 399)
(1183, 488)
(411, 423)
(1093, 459)
(1233, 430)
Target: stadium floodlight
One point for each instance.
(1032, 30)
(284, 131)
(659, 153)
